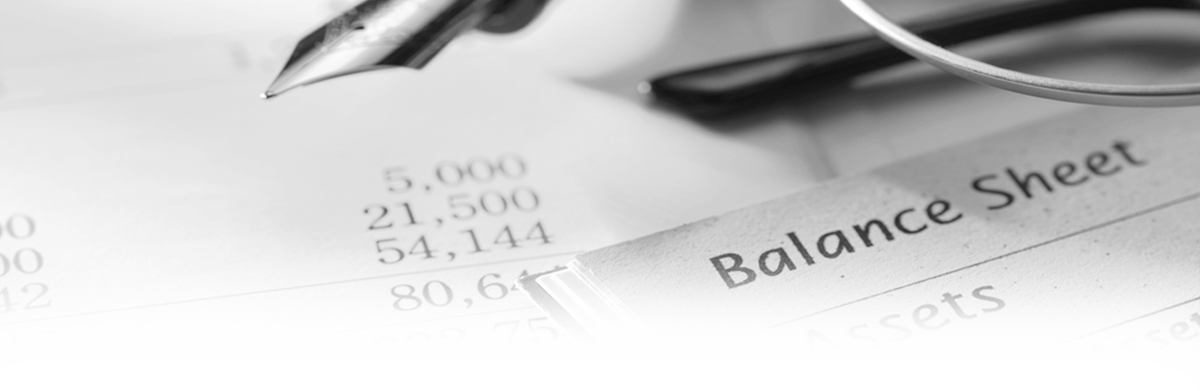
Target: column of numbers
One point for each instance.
(20, 267)
(457, 209)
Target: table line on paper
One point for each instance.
(1143, 212)
(1168, 308)
(317, 334)
(274, 290)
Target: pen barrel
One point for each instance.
(744, 85)
(512, 15)
(412, 31)
(417, 30)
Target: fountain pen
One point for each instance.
(378, 34)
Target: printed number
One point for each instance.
(412, 220)
(477, 170)
(18, 227)
(497, 205)
(449, 174)
(474, 241)
(537, 232)
(390, 254)
(505, 236)
(408, 301)
(378, 222)
(423, 246)
(447, 294)
(397, 182)
(500, 290)
(528, 203)
(480, 170)
(26, 260)
(484, 174)
(511, 166)
(40, 290)
(493, 203)
(506, 233)
(381, 250)
(543, 333)
(456, 206)
(401, 298)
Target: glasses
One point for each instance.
(749, 83)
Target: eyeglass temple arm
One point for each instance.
(733, 87)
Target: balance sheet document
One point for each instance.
(1080, 230)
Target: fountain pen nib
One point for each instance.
(378, 34)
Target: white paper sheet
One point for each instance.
(1075, 232)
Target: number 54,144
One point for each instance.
(390, 250)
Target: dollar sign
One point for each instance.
(295, 353)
